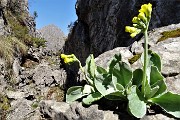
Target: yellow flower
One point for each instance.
(133, 34)
(140, 22)
(63, 56)
(146, 9)
(133, 30)
(68, 58)
(142, 16)
(135, 20)
(130, 29)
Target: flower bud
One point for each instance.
(68, 60)
(142, 17)
(133, 34)
(135, 20)
(146, 9)
(130, 29)
(63, 56)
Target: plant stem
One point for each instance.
(145, 61)
(80, 66)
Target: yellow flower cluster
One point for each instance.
(68, 58)
(146, 9)
(141, 22)
(134, 31)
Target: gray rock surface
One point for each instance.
(45, 74)
(15, 95)
(173, 83)
(54, 36)
(21, 110)
(101, 24)
(74, 111)
(157, 117)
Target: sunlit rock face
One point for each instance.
(101, 23)
(54, 36)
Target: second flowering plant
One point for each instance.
(141, 87)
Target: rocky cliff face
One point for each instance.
(100, 25)
(17, 8)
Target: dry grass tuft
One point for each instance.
(9, 46)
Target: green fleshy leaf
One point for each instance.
(74, 93)
(119, 95)
(147, 90)
(152, 92)
(92, 98)
(136, 105)
(103, 84)
(88, 89)
(155, 75)
(162, 87)
(116, 58)
(156, 60)
(89, 79)
(101, 70)
(122, 74)
(169, 102)
(137, 77)
(153, 58)
(90, 68)
(119, 87)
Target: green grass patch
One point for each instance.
(9, 45)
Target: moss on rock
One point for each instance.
(169, 34)
(134, 58)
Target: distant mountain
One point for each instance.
(54, 36)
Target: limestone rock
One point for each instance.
(15, 95)
(45, 74)
(104, 59)
(21, 109)
(42, 75)
(74, 111)
(173, 83)
(157, 117)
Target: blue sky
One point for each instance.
(58, 12)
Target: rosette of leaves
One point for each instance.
(119, 82)
(89, 91)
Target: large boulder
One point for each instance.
(100, 25)
(75, 111)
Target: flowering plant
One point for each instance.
(118, 81)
